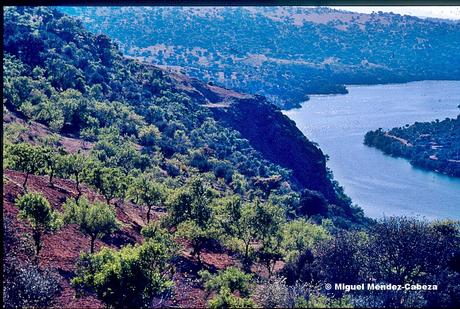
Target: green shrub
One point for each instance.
(94, 219)
(129, 277)
(225, 299)
(35, 208)
(231, 278)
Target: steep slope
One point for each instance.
(93, 81)
(62, 249)
(283, 53)
(266, 128)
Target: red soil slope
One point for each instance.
(61, 249)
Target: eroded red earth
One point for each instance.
(61, 249)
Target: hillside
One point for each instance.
(127, 186)
(142, 95)
(283, 53)
(430, 145)
(62, 249)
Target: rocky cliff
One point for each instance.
(267, 129)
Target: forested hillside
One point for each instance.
(283, 53)
(432, 145)
(126, 186)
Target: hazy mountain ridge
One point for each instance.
(283, 53)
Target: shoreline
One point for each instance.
(362, 86)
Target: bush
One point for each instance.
(299, 235)
(200, 161)
(149, 135)
(231, 278)
(30, 287)
(128, 278)
(276, 294)
(94, 219)
(312, 203)
(225, 299)
(36, 209)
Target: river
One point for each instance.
(383, 185)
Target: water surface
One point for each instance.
(381, 184)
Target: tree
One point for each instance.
(343, 258)
(190, 210)
(237, 222)
(154, 231)
(300, 235)
(75, 167)
(35, 208)
(26, 158)
(409, 250)
(226, 283)
(94, 219)
(312, 203)
(270, 252)
(148, 192)
(55, 162)
(268, 220)
(149, 135)
(110, 182)
(129, 277)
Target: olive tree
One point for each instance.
(129, 277)
(190, 210)
(110, 182)
(94, 219)
(55, 161)
(268, 221)
(27, 159)
(148, 192)
(75, 168)
(35, 208)
(237, 221)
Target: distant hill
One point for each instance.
(432, 145)
(283, 53)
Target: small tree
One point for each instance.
(196, 234)
(26, 158)
(129, 277)
(299, 235)
(74, 167)
(149, 193)
(94, 219)
(110, 183)
(268, 220)
(154, 231)
(35, 208)
(237, 221)
(55, 162)
(225, 283)
(149, 135)
(312, 203)
(191, 212)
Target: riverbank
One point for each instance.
(431, 145)
(380, 184)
